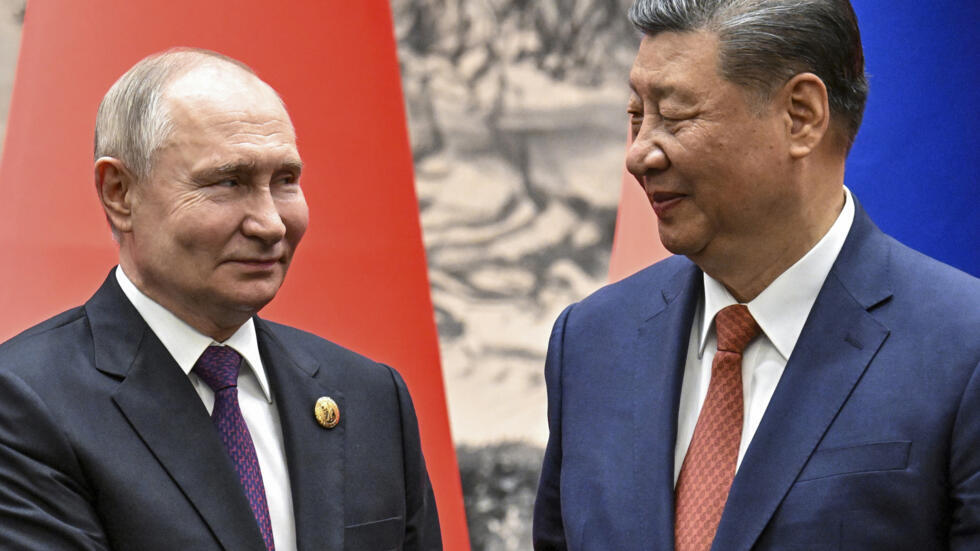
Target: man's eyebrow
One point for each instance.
(659, 90)
(227, 169)
(244, 167)
(668, 91)
(293, 166)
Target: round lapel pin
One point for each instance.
(326, 412)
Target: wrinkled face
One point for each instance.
(713, 163)
(217, 221)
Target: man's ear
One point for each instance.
(115, 185)
(808, 111)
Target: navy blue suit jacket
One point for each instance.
(104, 443)
(871, 440)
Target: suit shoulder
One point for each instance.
(921, 301)
(356, 366)
(37, 341)
(627, 296)
(297, 338)
(934, 283)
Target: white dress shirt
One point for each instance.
(186, 345)
(781, 311)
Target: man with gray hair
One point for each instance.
(793, 378)
(164, 414)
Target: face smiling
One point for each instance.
(215, 224)
(714, 164)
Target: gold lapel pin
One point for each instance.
(326, 412)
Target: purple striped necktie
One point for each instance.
(218, 367)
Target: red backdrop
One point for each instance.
(359, 277)
(636, 243)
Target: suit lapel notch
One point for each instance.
(863, 266)
(118, 331)
(295, 357)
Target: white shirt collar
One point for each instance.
(185, 343)
(782, 308)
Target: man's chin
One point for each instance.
(250, 301)
(678, 242)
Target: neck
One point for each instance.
(219, 330)
(755, 268)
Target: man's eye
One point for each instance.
(286, 180)
(636, 119)
(230, 182)
(674, 116)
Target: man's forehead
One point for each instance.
(217, 80)
(216, 93)
(666, 62)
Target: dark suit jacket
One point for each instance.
(104, 444)
(871, 440)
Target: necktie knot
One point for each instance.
(218, 367)
(735, 328)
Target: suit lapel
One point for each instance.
(315, 456)
(838, 342)
(161, 405)
(661, 350)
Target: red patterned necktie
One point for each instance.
(709, 466)
(218, 367)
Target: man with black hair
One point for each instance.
(793, 378)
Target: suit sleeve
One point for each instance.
(421, 518)
(965, 470)
(44, 501)
(548, 532)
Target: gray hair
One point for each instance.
(764, 43)
(133, 122)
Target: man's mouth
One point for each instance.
(259, 262)
(663, 201)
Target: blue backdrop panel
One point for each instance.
(914, 166)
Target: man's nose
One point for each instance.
(263, 221)
(645, 155)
